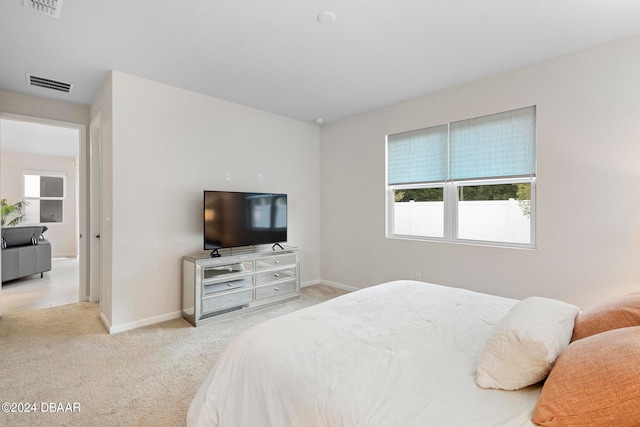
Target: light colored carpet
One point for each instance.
(144, 377)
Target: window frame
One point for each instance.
(390, 201)
(48, 174)
(493, 149)
(532, 211)
(451, 204)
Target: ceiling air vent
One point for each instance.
(48, 7)
(49, 84)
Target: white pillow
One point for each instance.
(525, 343)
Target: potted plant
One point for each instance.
(14, 214)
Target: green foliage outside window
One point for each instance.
(520, 192)
(524, 199)
(419, 195)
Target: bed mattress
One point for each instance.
(403, 353)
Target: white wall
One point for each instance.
(26, 105)
(168, 145)
(588, 217)
(63, 236)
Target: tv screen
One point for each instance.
(233, 219)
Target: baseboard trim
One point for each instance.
(143, 322)
(329, 283)
(309, 283)
(105, 322)
(114, 329)
(63, 255)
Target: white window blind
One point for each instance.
(418, 156)
(493, 146)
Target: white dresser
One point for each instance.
(237, 281)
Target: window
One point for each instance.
(44, 194)
(468, 181)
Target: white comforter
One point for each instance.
(398, 354)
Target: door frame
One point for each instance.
(82, 207)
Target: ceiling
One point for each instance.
(277, 56)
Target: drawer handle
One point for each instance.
(229, 284)
(276, 289)
(277, 262)
(276, 275)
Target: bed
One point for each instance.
(403, 353)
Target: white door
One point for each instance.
(95, 220)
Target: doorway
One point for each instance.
(33, 150)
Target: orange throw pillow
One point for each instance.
(595, 382)
(619, 312)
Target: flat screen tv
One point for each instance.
(233, 219)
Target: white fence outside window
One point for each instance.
(492, 220)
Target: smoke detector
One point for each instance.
(48, 7)
(46, 83)
(326, 17)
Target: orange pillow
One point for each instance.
(595, 382)
(619, 312)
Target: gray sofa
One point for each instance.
(25, 251)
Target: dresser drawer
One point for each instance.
(226, 300)
(268, 291)
(275, 275)
(219, 271)
(225, 285)
(266, 263)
